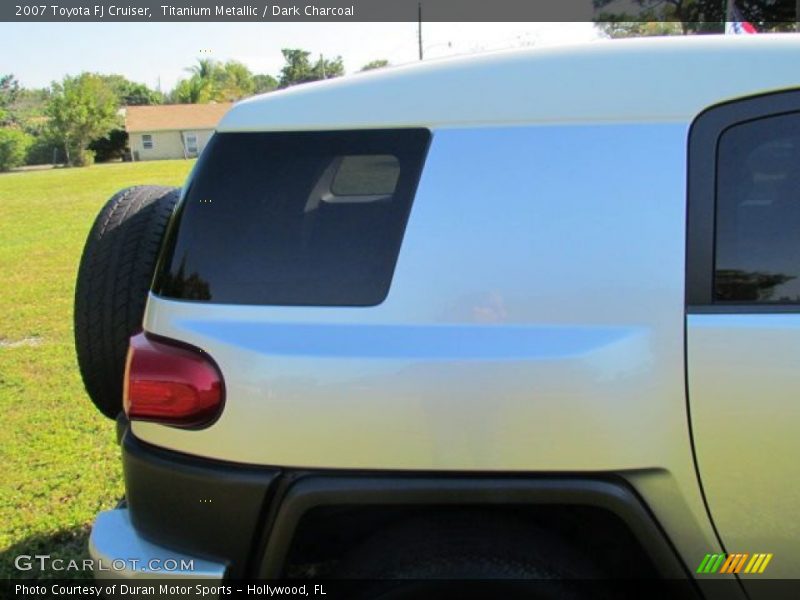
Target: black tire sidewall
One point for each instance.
(114, 277)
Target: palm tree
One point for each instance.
(202, 85)
(205, 68)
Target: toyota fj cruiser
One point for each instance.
(531, 315)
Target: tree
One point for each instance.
(212, 81)
(14, 145)
(29, 105)
(770, 15)
(205, 68)
(676, 16)
(264, 83)
(131, 93)
(299, 68)
(9, 92)
(199, 88)
(82, 109)
(328, 69)
(232, 81)
(29, 112)
(375, 64)
(624, 29)
(670, 17)
(192, 91)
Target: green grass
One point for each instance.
(59, 462)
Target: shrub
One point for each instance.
(14, 146)
(81, 157)
(110, 147)
(44, 151)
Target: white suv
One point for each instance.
(528, 314)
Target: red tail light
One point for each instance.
(171, 384)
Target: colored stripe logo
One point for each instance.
(740, 562)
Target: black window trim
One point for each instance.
(704, 136)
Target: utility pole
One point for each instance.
(728, 15)
(419, 27)
(322, 65)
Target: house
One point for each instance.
(171, 130)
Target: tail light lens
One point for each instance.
(172, 384)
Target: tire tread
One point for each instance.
(114, 277)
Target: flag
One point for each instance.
(737, 25)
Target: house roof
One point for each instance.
(636, 80)
(170, 117)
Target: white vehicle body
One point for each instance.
(537, 317)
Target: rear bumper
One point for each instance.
(119, 552)
(240, 521)
(203, 508)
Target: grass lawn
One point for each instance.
(59, 463)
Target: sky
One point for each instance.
(159, 53)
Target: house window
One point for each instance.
(191, 143)
(147, 141)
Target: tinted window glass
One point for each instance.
(758, 212)
(294, 218)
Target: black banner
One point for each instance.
(634, 589)
(774, 11)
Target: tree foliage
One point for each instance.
(131, 93)
(300, 68)
(111, 146)
(375, 64)
(45, 149)
(14, 144)
(624, 29)
(29, 112)
(9, 91)
(28, 108)
(213, 81)
(264, 83)
(82, 109)
(197, 89)
(232, 81)
(670, 17)
(191, 91)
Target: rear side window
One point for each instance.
(757, 253)
(302, 218)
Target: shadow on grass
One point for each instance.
(65, 545)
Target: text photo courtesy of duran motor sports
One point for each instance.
(427, 299)
(164, 590)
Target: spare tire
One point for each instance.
(114, 278)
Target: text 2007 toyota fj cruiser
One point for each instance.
(527, 315)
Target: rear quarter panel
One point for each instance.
(535, 320)
(535, 323)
